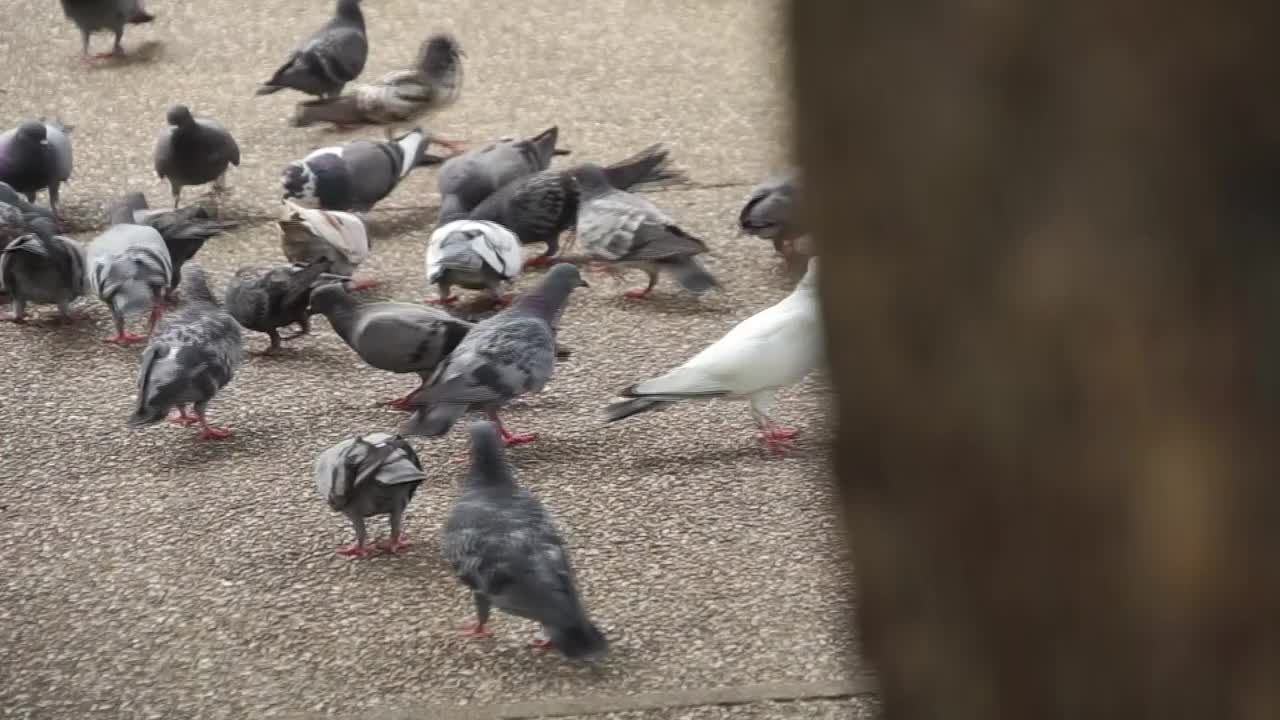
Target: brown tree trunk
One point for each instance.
(1056, 344)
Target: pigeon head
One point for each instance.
(349, 10)
(126, 289)
(298, 181)
(439, 53)
(329, 293)
(548, 299)
(180, 116)
(592, 179)
(195, 285)
(488, 464)
(33, 131)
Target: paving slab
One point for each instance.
(152, 575)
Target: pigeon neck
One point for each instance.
(488, 467)
(340, 312)
(543, 303)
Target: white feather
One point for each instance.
(335, 150)
(775, 348)
(345, 232)
(497, 246)
(409, 145)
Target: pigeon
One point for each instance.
(403, 96)
(29, 218)
(36, 156)
(184, 230)
(308, 236)
(769, 213)
(539, 207)
(129, 269)
(620, 229)
(194, 151)
(265, 300)
(38, 268)
(374, 474)
(475, 254)
(505, 547)
(467, 179)
(194, 353)
(775, 348)
(505, 356)
(354, 176)
(327, 60)
(392, 336)
(111, 15)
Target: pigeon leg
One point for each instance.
(53, 199)
(642, 293)
(476, 628)
(445, 297)
(182, 418)
(177, 193)
(359, 548)
(540, 643)
(84, 48)
(274, 347)
(64, 314)
(404, 403)
(304, 327)
(157, 309)
(397, 541)
(508, 437)
(122, 337)
(207, 431)
(19, 315)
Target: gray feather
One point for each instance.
(193, 150)
(36, 156)
(40, 269)
(128, 265)
(264, 300)
(357, 175)
(769, 211)
(328, 59)
(466, 180)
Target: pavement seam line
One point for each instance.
(640, 702)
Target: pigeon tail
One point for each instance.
(646, 169)
(691, 275)
(432, 421)
(544, 145)
(145, 414)
(342, 110)
(28, 243)
(268, 89)
(123, 210)
(626, 408)
(580, 641)
(195, 286)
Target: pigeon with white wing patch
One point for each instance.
(354, 176)
(42, 269)
(369, 475)
(473, 254)
(130, 269)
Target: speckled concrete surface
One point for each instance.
(151, 575)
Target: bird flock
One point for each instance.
(501, 542)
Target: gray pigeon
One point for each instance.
(375, 474)
(503, 357)
(194, 353)
(354, 176)
(36, 156)
(29, 218)
(184, 230)
(391, 336)
(620, 229)
(42, 269)
(110, 15)
(475, 254)
(265, 300)
(539, 207)
(769, 213)
(327, 60)
(505, 547)
(194, 151)
(399, 97)
(467, 179)
(129, 270)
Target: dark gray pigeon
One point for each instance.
(374, 474)
(129, 270)
(397, 98)
(540, 207)
(265, 300)
(354, 176)
(467, 179)
(510, 354)
(194, 151)
(29, 219)
(620, 230)
(505, 547)
(42, 269)
(327, 60)
(36, 156)
(769, 213)
(194, 353)
(110, 15)
(184, 230)
(391, 336)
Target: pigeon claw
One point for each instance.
(394, 547)
(540, 643)
(475, 629)
(538, 261)
(399, 403)
(355, 551)
(777, 440)
(209, 432)
(125, 338)
(511, 438)
(638, 293)
(181, 418)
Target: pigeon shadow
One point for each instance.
(145, 53)
(395, 221)
(662, 304)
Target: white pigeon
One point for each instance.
(475, 254)
(775, 348)
(309, 235)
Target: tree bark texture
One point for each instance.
(1050, 239)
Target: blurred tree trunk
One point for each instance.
(1056, 344)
